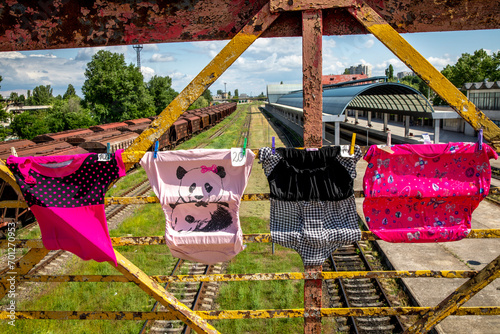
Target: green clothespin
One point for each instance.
(245, 146)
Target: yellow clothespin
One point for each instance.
(353, 142)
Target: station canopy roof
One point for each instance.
(384, 97)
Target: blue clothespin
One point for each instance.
(480, 139)
(274, 149)
(245, 146)
(108, 148)
(156, 149)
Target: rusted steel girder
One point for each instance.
(51, 24)
(250, 32)
(367, 16)
(312, 72)
(246, 277)
(21, 266)
(239, 314)
(247, 238)
(462, 294)
(155, 290)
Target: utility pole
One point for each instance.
(138, 48)
(225, 92)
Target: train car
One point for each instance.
(138, 121)
(119, 141)
(138, 128)
(17, 144)
(109, 126)
(205, 120)
(75, 141)
(49, 148)
(194, 123)
(213, 117)
(63, 135)
(178, 131)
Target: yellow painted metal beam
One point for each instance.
(21, 266)
(247, 238)
(239, 314)
(248, 277)
(155, 290)
(221, 62)
(462, 294)
(7, 176)
(375, 24)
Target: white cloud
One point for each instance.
(12, 55)
(147, 73)
(161, 58)
(150, 47)
(47, 55)
(439, 62)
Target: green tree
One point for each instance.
(42, 95)
(114, 91)
(161, 91)
(70, 92)
(220, 92)
(389, 72)
(28, 125)
(346, 71)
(201, 102)
(14, 97)
(474, 68)
(236, 93)
(68, 115)
(207, 94)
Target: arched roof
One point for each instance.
(385, 97)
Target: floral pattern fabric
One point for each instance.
(425, 193)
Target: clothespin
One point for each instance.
(13, 151)
(480, 139)
(353, 142)
(245, 146)
(274, 149)
(389, 138)
(108, 148)
(155, 154)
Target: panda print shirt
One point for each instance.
(200, 193)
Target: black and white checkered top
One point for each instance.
(313, 210)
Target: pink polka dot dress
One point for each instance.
(66, 195)
(425, 193)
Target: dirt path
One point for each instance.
(260, 135)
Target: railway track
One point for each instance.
(195, 295)
(358, 292)
(219, 131)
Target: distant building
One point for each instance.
(401, 75)
(486, 96)
(361, 69)
(334, 79)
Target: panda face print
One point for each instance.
(201, 185)
(212, 218)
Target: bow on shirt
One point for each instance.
(205, 169)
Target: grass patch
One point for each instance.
(126, 182)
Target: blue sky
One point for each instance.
(267, 61)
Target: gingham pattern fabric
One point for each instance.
(313, 228)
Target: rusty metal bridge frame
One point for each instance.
(29, 25)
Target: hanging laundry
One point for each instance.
(200, 192)
(66, 195)
(425, 193)
(313, 210)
